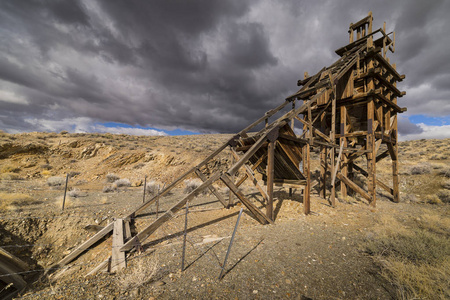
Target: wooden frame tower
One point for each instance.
(348, 111)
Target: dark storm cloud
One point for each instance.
(199, 65)
(406, 127)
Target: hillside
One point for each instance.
(352, 251)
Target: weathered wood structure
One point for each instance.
(348, 110)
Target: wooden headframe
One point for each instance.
(348, 111)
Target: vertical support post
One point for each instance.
(145, 189)
(370, 140)
(293, 119)
(343, 131)
(350, 32)
(184, 236)
(323, 160)
(270, 175)
(307, 173)
(231, 243)
(394, 138)
(65, 191)
(332, 150)
(231, 194)
(395, 172)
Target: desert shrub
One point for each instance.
(64, 132)
(191, 184)
(112, 177)
(445, 172)
(139, 166)
(12, 200)
(55, 181)
(152, 188)
(444, 195)
(122, 182)
(109, 188)
(10, 176)
(421, 169)
(75, 193)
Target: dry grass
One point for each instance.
(414, 255)
(10, 201)
(10, 176)
(138, 273)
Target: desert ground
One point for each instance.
(353, 251)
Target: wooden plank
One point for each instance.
(147, 231)
(370, 141)
(380, 183)
(332, 150)
(249, 173)
(307, 172)
(354, 186)
(343, 141)
(102, 266)
(270, 177)
(127, 229)
(212, 188)
(333, 179)
(253, 209)
(267, 115)
(83, 247)
(249, 153)
(117, 257)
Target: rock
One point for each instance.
(159, 283)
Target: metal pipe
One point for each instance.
(231, 243)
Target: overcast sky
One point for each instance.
(148, 67)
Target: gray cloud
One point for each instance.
(406, 127)
(210, 66)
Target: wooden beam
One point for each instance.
(267, 115)
(178, 180)
(270, 175)
(212, 188)
(354, 186)
(147, 231)
(307, 173)
(250, 153)
(249, 173)
(117, 257)
(380, 183)
(83, 247)
(253, 209)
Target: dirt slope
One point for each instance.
(321, 256)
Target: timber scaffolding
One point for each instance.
(359, 91)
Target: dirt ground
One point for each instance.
(319, 256)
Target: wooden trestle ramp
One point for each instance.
(349, 111)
